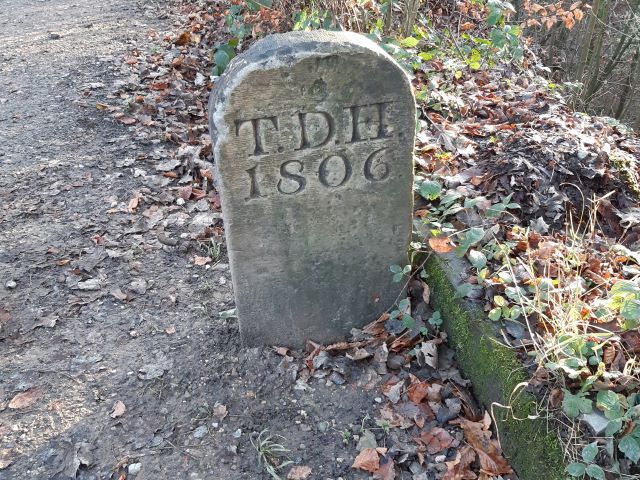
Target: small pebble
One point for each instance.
(11, 284)
(200, 432)
(377, 400)
(323, 426)
(237, 433)
(134, 468)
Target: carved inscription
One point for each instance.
(315, 130)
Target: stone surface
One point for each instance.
(313, 137)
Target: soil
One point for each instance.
(95, 310)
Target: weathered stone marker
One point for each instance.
(313, 138)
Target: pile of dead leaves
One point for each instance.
(497, 133)
(428, 424)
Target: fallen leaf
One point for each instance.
(134, 202)
(429, 353)
(118, 409)
(201, 260)
(367, 460)
(119, 294)
(418, 391)
(185, 192)
(220, 411)
(299, 472)
(436, 440)
(441, 244)
(183, 39)
(5, 458)
(478, 436)
(393, 390)
(387, 471)
(25, 399)
(283, 351)
(458, 469)
(426, 293)
(170, 330)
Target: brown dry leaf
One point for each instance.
(119, 294)
(393, 418)
(579, 14)
(376, 328)
(299, 472)
(183, 39)
(220, 411)
(118, 409)
(185, 192)
(387, 471)
(404, 342)
(478, 436)
(134, 202)
(441, 244)
(569, 22)
(367, 460)
(170, 330)
(283, 351)
(467, 26)
(127, 120)
(159, 86)
(5, 316)
(201, 260)
(25, 399)
(426, 292)
(418, 391)
(436, 440)
(458, 469)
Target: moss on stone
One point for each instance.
(626, 164)
(495, 372)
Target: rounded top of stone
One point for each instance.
(283, 49)
(308, 42)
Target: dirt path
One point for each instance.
(94, 310)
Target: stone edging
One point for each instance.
(530, 446)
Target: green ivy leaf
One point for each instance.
(613, 427)
(222, 59)
(408, 322)
(630, 309)
(576, 469)
(589, 452)
(395, 268)
(469, 239)
(630, 447)
(574, 405)
(430, 189)
(409, 42)
(495, 314)
(607, 399)
(495, 210)
(594, 471)
(477, 259)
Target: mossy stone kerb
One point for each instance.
(530, 446)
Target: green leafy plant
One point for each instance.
(314, 19)
(399, 272)
(624, 297)
(272, 456)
